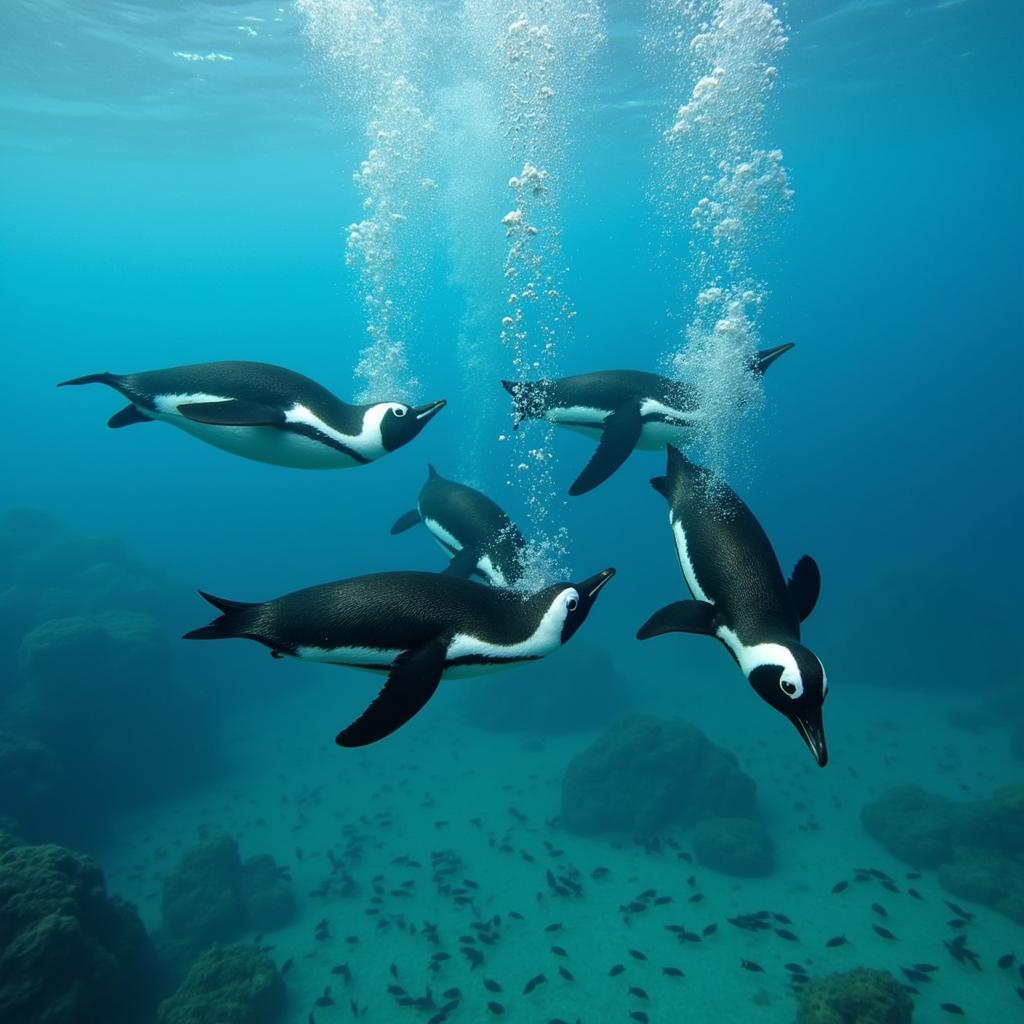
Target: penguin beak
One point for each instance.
(812, 729)
(590, 588)
(424, 413)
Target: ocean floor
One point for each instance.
(441, 785)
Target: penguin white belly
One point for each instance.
(262, 444)
(447, 540)
(583, 418)
(685, 563)
(374, 658)
(674, 426)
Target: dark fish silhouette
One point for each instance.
(537, 979)
(637, 955)
(749, 965)
(491, 986)
(838, 940)
(616, 969)
(635, 990)
(840, 886)
(565, 973)
(952, 1008)
(884, 932)
(672, 972)
(1005, 962)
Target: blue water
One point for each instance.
(158, 210)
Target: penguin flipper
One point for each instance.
(406, 522)
(463, 563)
(235, 412)
(619, 437)
(680, 617)
(127, 416)
(413, 678)
(805, 586)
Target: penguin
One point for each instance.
(741, 597)
(479, 536)
(266, 413)
(415, 626)
(623, 409)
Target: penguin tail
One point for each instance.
(527, 399)
(111, 379)
(237, 619)
(767, 356)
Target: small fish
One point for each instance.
(795, 969)
(957, 923)
(749, 965)
(565, 973)
(709, 929)
(785, 933)
(554, 927)
(664, 901)
(953, 1008)
(599, 872)
(959, 911)
(439, 1018)
(884, 932)
(697, 897)
(637, 955)
(840, 886)
(781, 918)
(879, 910)
(452, 993)
(926, 968)
(491, 985)
(287, 965)
(838, 940)
(616, 970)
(1005, 962)
(916, 894)
(559, 951)
(496, 1008)
(639, 1016)
(537, 979)
(672, 972)
(635, 990)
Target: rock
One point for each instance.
(978, 846)
(232, 985)
(861, 996)
(267, 896)
(578, 690)
(646, 774)
(202, 897)
(734, 846)
(914, 825)
(69, 953)
(211, 897)
(31, 783)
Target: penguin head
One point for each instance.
(794, 683)
(399, 423)
(572, 601)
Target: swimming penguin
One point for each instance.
(624, 409)
(479, 536)
(741, 596)
(266, 413)
(415, 626)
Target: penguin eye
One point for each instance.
(399, 410)
(572, 602)
(791, 689)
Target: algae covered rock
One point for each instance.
(232, 985)
(69, 953)
(31, 782)
(861, 996)
(917, 826)
(212, 897)
(646, 774)
(734, 846)
(267, 896)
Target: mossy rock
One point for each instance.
(231, 985)
(917, 826)
(989, 878)
(861, 996)
(267, 895)
(646, 774)
(734, 846)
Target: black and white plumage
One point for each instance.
(471, 528)
(741, 596)
(266, 413)
(417, 627)
(623, 409)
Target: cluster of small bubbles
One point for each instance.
(717, 169)
(369, 56)
(536, 53)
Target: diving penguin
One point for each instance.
(741, 596)
(414, 626)
(266, 413)
(479, 536)
(624, 409)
